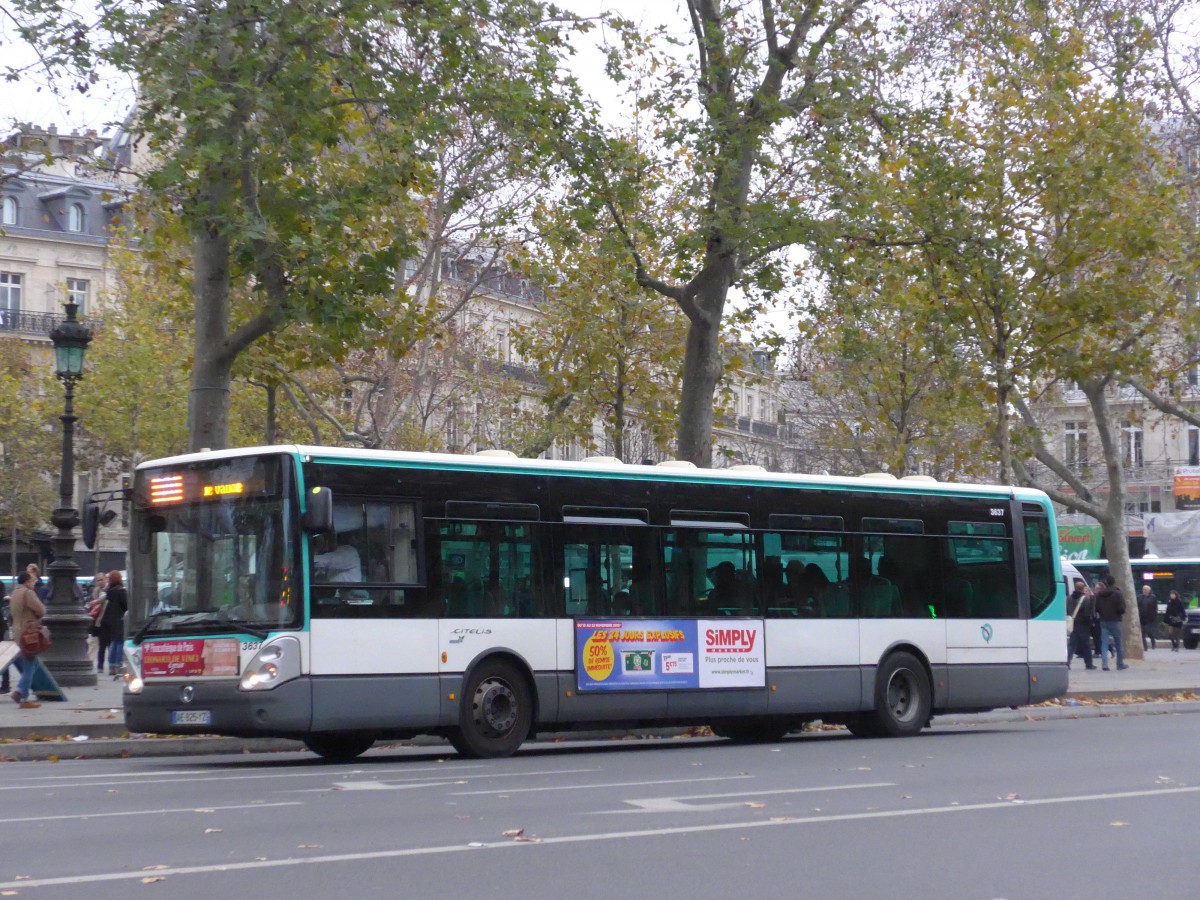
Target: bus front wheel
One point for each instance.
(496, 714)
(339, 747)
(903, 699)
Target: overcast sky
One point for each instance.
(31, 99)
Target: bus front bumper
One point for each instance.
(220, 707)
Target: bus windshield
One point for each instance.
(219, 563)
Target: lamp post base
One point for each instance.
(67, 659)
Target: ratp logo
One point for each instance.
(986, 631)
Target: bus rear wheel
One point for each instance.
(339, 747)
(903, 699)
(496, 713)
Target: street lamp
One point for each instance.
(68, 659)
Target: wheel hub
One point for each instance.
(495, 707)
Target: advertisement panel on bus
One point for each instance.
(664, 654)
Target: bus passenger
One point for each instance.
(724, 593)
(339, 564)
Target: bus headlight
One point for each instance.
(133, 668)
(275, 663)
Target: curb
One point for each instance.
(24, 745)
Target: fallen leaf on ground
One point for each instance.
(212, 830)
(513, 832)
(152, 878)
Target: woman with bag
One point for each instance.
(27, 612)
(1174, 618)
(112, 624)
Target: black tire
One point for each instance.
(496, 712)
(903, 699)
(1191, 643)
(339, 747)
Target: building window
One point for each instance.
(1131, 445)
(1193, 434)
(8, 211)
(1075, 450)
(10, 297)
(77, 292)
(75, 217)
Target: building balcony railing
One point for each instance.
(1157, 472)
(35, 324)
(28, 323)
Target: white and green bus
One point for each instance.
(342, 597)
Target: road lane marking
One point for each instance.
(678, 804)
(374, 786)
(584, 838)
(443, 772)
(315, 770)
(148, 812)
(589, 787)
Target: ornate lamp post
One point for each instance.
(68, 659)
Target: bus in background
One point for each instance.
(341, 597)
(1163, 576)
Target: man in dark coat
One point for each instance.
(1148, 616)
(1110, 606)
(1080, 609)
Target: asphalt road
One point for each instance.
(1060, 808)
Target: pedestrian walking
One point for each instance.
(1079, 642)
(1174, 617)
(1110, 606)
(27, 609)
(39, 587)
(1148, 616)
(5, 622)
(111, 625)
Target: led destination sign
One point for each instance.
(209, 483)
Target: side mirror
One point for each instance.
(318, 511)
(91, 523)
(93, 519)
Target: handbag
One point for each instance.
(35, 639)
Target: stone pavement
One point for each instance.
(90, 721)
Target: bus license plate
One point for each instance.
(191, 717)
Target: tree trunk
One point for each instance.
(701, 372)
(212, 367)
(1113, 522)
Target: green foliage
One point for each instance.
(604, 347)
(31, 438)
(133, 401)
(1025, 219)
(293, 138)
(727, 141)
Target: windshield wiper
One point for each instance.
(206, 619)
(246, 626)
(141, 632)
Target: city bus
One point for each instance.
(346, 596)
(1163, 576)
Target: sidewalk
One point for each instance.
(90, 721)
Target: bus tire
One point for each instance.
(339, 747)
(903, 699)
(496, 713)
